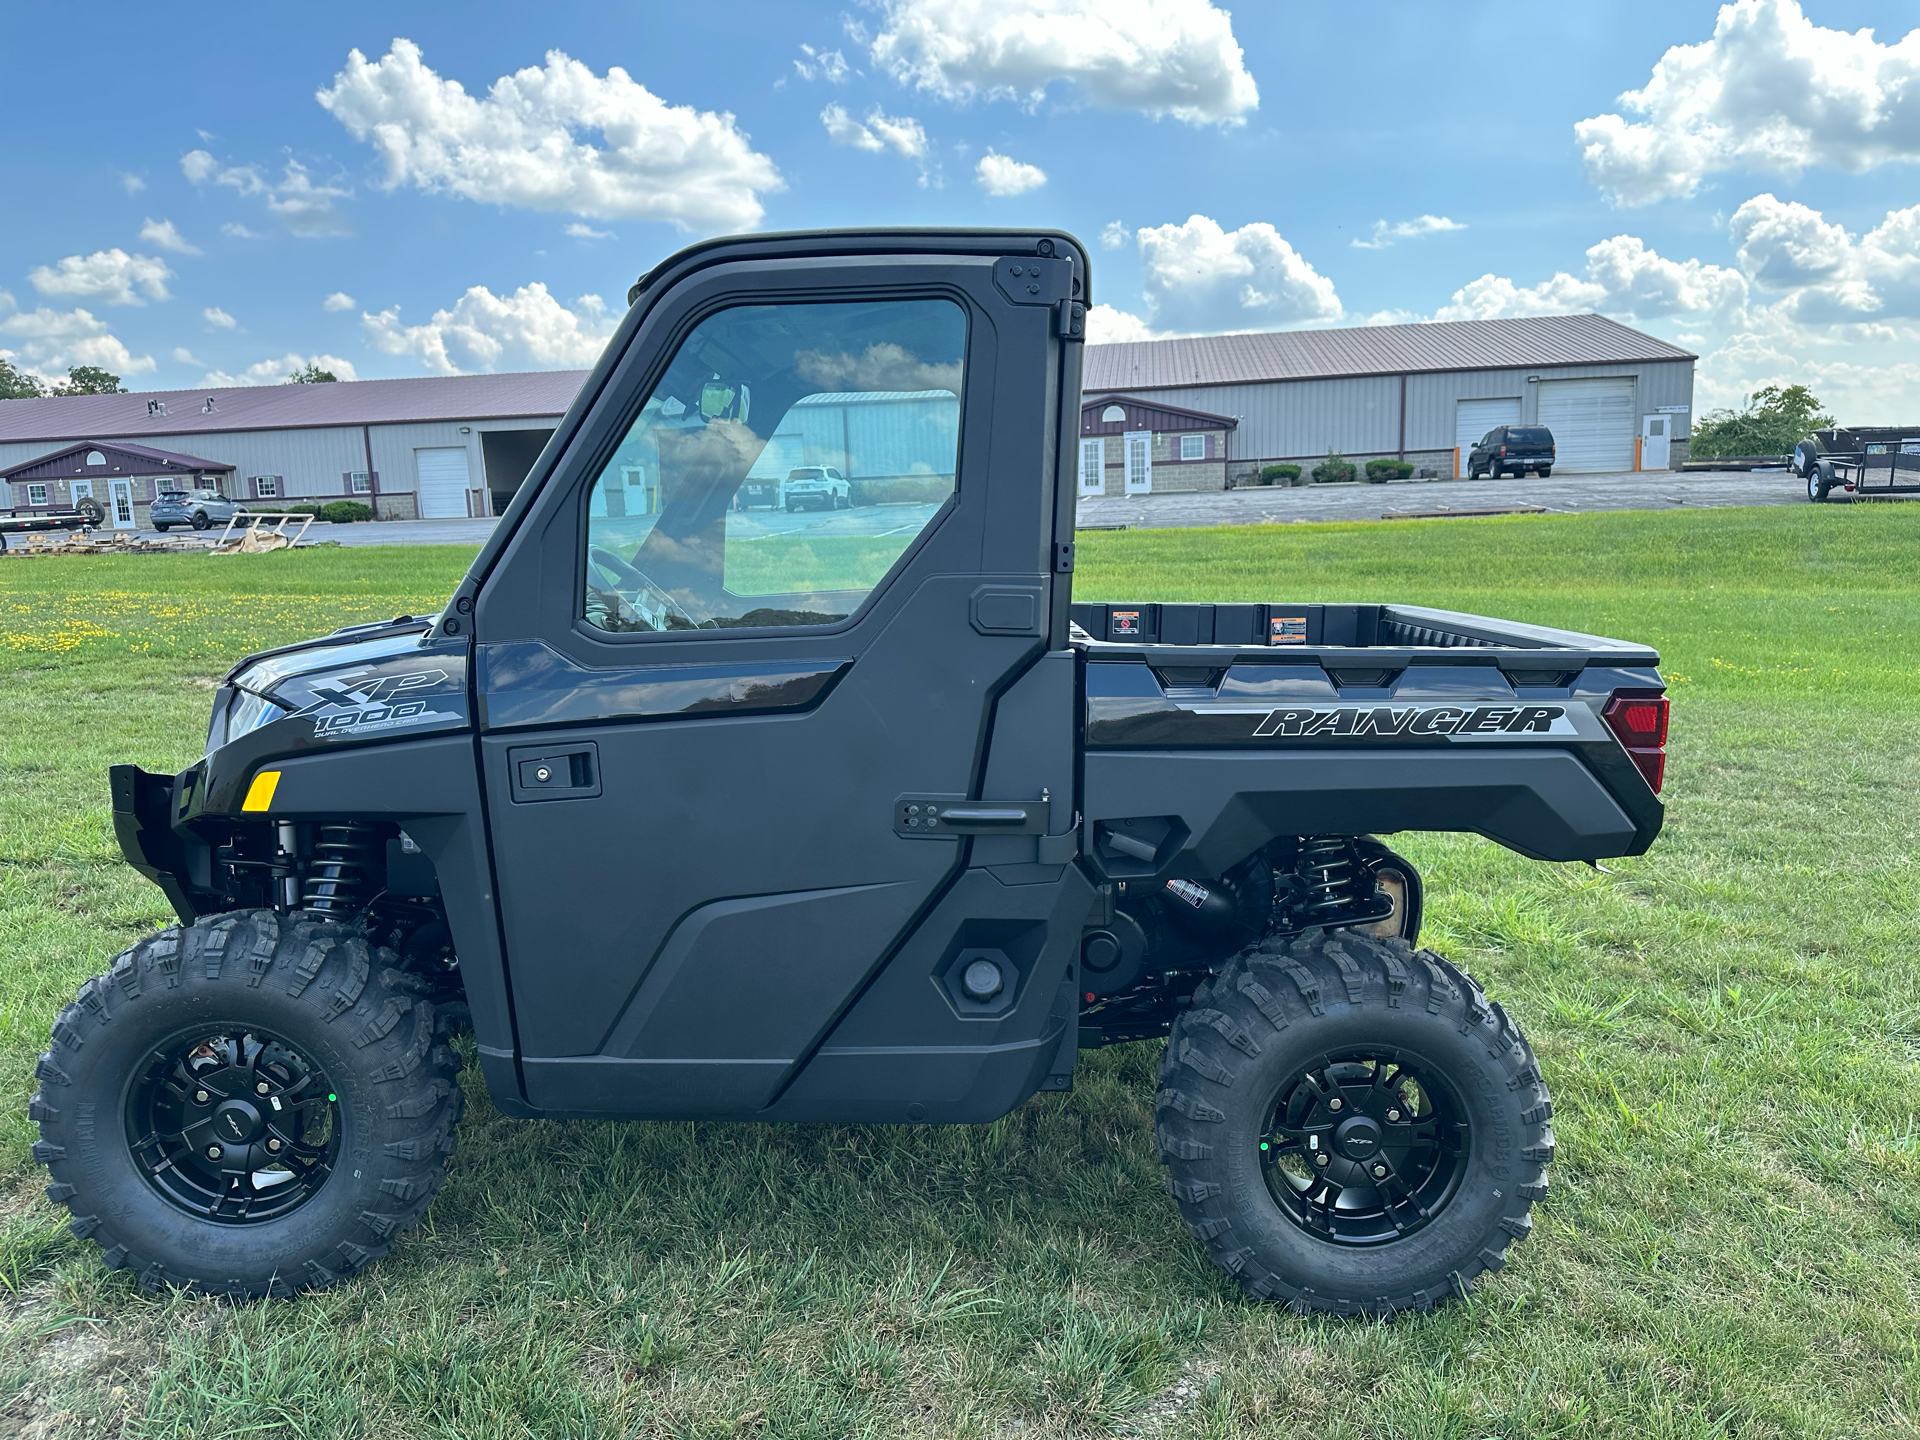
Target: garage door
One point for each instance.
(443, 482)
(1592, 422)
(1476, 417)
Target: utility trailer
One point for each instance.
(689, 821)
(88, 515)
(1865, 462)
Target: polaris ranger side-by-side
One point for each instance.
(690, 812)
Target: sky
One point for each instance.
(218, 196)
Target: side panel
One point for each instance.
(1543, 803)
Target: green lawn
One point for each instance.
(1731, 1027)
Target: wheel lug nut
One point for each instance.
(200, 1097)
(1336, 1103)
(1379, 1172)
(1321, 1158)
(273, 1144)
(260, 1088)
(214, 1152)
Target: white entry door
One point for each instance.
(1592, 422)
(1656, 440)
(1093, 467)
(1475, 418)
(443, 481)
(121, 510)
(1139, 449)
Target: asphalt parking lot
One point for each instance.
(1560, 494)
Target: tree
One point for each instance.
(1774, 421)
(18, 384)
(89, 380)
(311, 374)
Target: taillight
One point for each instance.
(1503, 449)
(1639, 723)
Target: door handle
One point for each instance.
(932, 817)
(553, 772)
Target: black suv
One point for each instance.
(1512, 450)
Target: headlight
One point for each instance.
(246, 712)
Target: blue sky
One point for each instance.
(213, 196)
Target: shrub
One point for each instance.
(909, 490)
(1774, 421)
(340, 512)
(292, 507)
(1381, 471)
(1333, 470)
(1279, 475)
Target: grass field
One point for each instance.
(1730, 1025)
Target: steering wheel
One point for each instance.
(636, 590)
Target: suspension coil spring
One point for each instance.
(1326, 864)
(340, 871)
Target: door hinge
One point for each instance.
(1063, 557)
(1070, 320)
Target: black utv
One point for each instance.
(868, 822)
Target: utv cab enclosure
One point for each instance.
(688, 814)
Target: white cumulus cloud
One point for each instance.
(296, 200)
(828, 65)
(1108, 325)
(111, 276)
(1115, 235)
(580, 230)
(218, 318)
(1824, 274)
(531, 141)
(1198, 277)
(528, 329)
(1385, 234)
(878, 132)
(1770, 91)
(1623, 278)
(52, 341)
(338, 300)
(237, 231)
(1164, 58)
(1003, 175)
(275, 371)
(163, 234)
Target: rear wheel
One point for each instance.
(1545, 471)
(200, 520)
(162, 526)
(1351, 1126)
(251, 1105)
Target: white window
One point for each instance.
(1093, 466)
(359, 482)
(1114, 415)
(36, 494)
(94, 457)
(266, 486)
(1193, 447)
(1139, 445)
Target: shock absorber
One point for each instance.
(1326, 865)
(340, 871)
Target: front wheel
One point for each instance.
(250, 1105)
(1350, 1126)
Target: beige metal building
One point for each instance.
(432, 448)
(1615, 399)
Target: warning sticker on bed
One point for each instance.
(1126, 622)
(1287, 630)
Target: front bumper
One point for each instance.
(145, 807)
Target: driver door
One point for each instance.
(702, 721)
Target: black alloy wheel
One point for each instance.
(200, 520)
(233, 1125)
(1350, 1126)
(1364, 1148)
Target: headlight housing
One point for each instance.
(242, 713)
